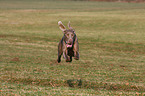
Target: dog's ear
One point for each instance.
(69, 25)
(61, 26)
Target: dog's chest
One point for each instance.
(70, 52)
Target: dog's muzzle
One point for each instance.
(69, 43)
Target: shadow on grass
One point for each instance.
(74, 83)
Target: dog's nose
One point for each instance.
(70, 41)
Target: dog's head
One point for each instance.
(69, 34)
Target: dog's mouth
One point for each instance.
(68, 46)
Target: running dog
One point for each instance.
(68, 45)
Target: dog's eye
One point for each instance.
(67, 34)
(72, 35)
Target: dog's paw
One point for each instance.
(68, 60)
(58, 61)
(76, 58)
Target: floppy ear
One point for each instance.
(61, 26)
(69, 25)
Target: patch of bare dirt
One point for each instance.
(15, 59)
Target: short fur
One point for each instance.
(68, 45)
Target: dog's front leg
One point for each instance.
(76, 55)
(76, 50)
(60, 51)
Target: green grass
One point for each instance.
(112, 48)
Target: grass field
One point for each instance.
(112, 48)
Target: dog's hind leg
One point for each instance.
(66, 57)
(70, 58)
